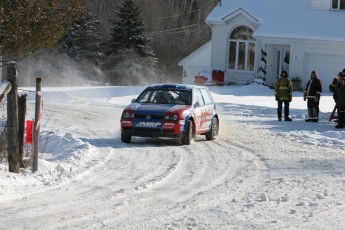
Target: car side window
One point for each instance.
(197, 97)
(144, 97)
(182, 97)
(207, 97)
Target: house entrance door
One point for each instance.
(282, 60)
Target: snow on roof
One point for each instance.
(286, 19)
(200, 57)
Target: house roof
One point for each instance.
(297, 19)
(200, 57)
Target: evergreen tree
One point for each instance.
(82, 42)
(128, 31)
(130, 60)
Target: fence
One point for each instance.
(15, 121)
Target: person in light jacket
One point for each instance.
(312, 94)
(283, 95)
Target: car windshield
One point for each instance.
(164, 96)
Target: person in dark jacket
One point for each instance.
(331, 88)
(312, 94)
(339, 97)
(283, 94)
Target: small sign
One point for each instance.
(29, 124)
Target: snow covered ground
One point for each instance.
(259, 174)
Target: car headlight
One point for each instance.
(128, 115)
(171, 117)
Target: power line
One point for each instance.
(188, 28)
(175, 33)
(176, 15)
(179, 29)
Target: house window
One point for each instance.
(338, 4)
(242, 49)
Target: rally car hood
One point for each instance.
(156, 108)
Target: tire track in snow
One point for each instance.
(228, 171)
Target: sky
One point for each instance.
(259, 173)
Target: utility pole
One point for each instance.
(37, 124)
(12, 119)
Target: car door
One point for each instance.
(199, 109)
(209, 109)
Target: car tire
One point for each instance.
(213, 132)
(188, 136)
(125, 138)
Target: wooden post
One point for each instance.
(36, 127)
(5, 87)
(12, 119)
(21, 126)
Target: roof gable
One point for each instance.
(233, 14)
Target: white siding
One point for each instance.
(195, 62)
(190, 71)
(326, 58)
(321, 4)
(219, 47)
(326, 66)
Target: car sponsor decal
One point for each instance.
(148, 124)
(126, 123)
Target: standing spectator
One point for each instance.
(312, 94)
(283, 95)
(339, 97)
(334, 82)
(332, 89)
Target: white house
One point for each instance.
(261, 38)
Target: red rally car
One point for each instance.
(176, 111)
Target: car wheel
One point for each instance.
(188, 136)
(213, 132)
(125, 138)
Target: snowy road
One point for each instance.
(251, 177)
